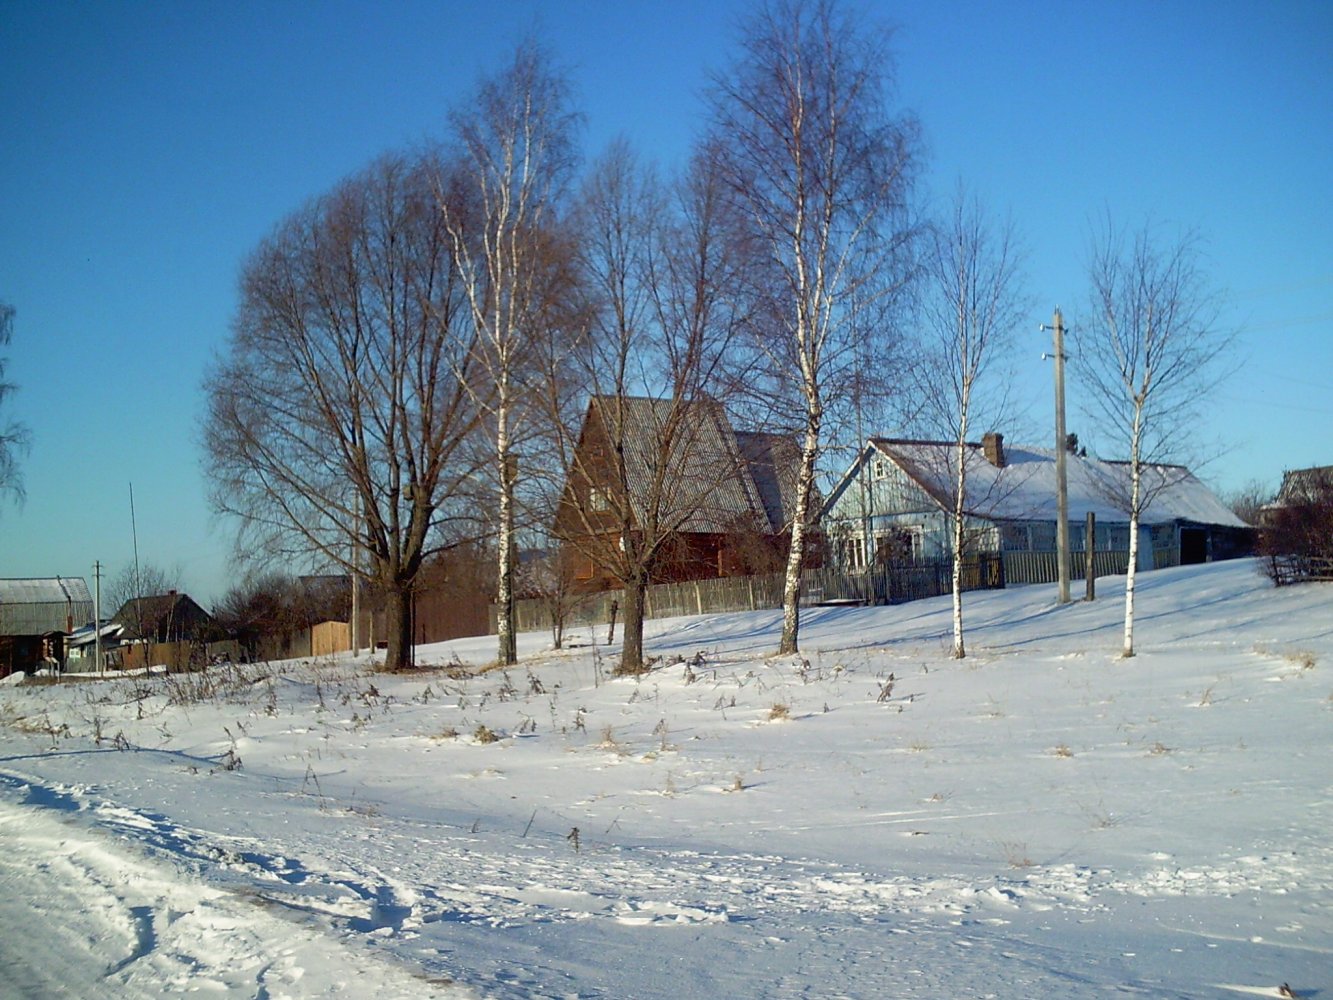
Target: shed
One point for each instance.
(36, 608)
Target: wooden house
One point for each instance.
(721, 498)
(893, 503)
(169, 617)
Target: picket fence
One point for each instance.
(893, 584)
(885, 585)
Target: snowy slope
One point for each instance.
(871, 819)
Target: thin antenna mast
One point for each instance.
(138, 580)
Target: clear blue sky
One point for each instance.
(148, 147)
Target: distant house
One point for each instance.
(1296, 529)
(892, 503)
(1300, 487)
(169, 617)
(36, 614)
(726, 496)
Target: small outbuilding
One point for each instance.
(36, 614)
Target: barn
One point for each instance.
(36, 614)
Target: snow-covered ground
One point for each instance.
(872, 819)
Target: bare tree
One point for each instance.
(138, 581)
(517, 145)
(339, 430)
(1296, 537)
(821, 173)
(13, 435)
(548, 575)
(651, 453)
(972, 304)
(1247, 501)
(1146, 356)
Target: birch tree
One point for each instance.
(339, 431)
(972, 304)
(1146, 356)
(13, 435)
(820, 170)
(516, 136)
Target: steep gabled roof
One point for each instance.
(716, 479)
(773, 461)
(160, 613)
(1024, 488)
(1303, 485)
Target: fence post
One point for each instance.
(1090, 554)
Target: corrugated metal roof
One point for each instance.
(708, 483)
(37, 605)
(774, 461)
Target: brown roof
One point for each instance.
(1304, 485)
(160, 613)
(717, 479)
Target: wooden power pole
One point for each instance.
(1061, 447)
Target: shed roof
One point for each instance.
(36, 605)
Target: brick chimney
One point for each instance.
(992, 444)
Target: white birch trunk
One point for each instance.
(1135, 477)
(504, 597)
(960, 480)
(791, 592)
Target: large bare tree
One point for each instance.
(13, 435)
(656, 454)
(517, 145)
(972, 304)
(339, 429)
(821, 171)
(1146, 355)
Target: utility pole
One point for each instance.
(1061, 482)
(356, 579)
(97, 616)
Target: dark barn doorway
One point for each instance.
(1193, 546)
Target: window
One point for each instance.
(598, 501)
(1014, 536)
(898, 545)
(880, 469)
(1043, 536)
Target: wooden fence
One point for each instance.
(886, 585)
(1288, 569)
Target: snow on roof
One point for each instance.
(1024, 489)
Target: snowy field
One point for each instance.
(870, 820)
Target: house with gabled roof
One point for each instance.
(1302, 486)
(724, 496)
(169, 617)
(892, 504)
(36, 614)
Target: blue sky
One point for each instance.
(149, 147)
